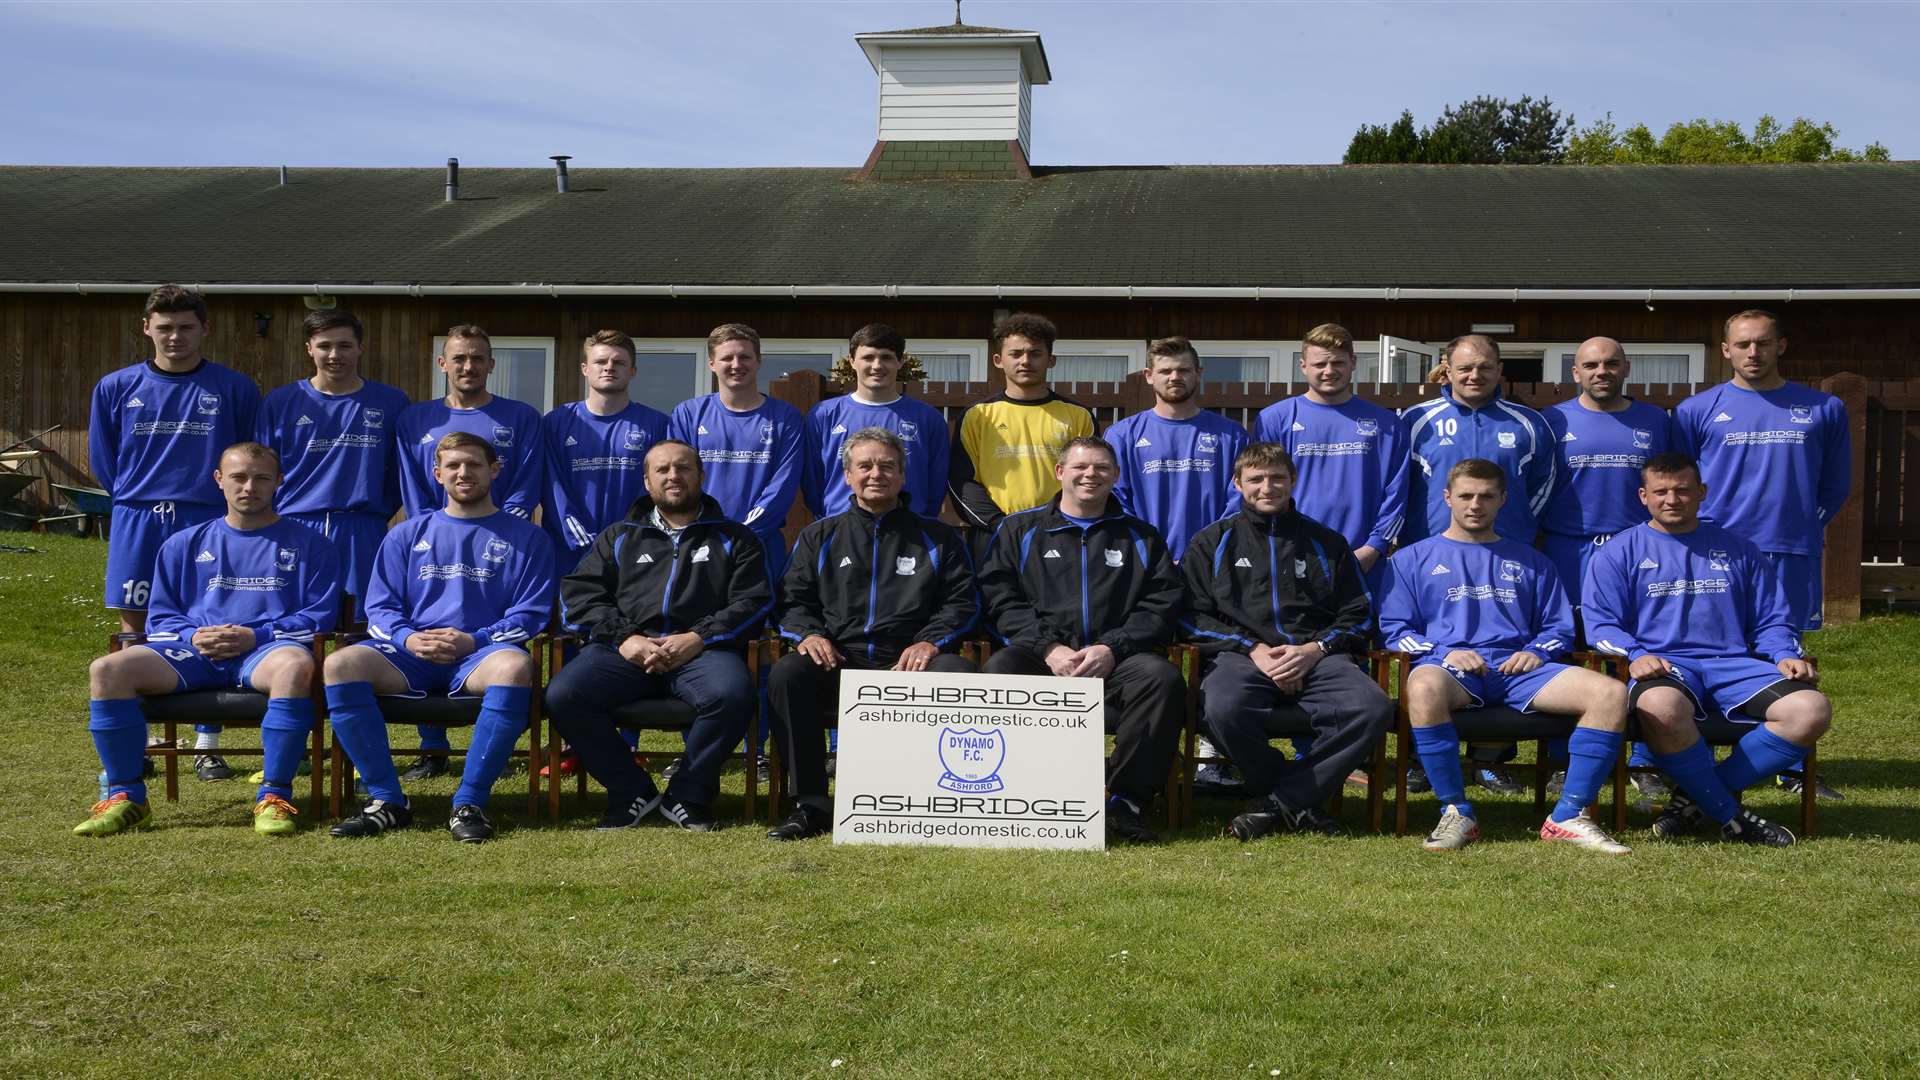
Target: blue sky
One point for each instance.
(720, 83)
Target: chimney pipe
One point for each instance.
(453, 179)
(560, 171)
(283, 176)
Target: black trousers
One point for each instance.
(805, 699)
(1348, 711)
(1146, 707)
(582, 698)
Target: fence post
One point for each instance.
(1846, 533)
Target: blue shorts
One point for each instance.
(1493, 688)
(1570, 556)
(1800, 579)
(356, 538)
(426, 677)
(134, 535)
(1726, 683)
(199, 673)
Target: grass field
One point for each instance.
(199, 948)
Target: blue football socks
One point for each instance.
(503, 716)
(1692, 769)
(1759, 753)
(120, 737)
(1439, 750)
(283, 738)
(1591, 753)
(362, 731)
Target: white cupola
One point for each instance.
(968, 89)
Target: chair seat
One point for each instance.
(226, 708)
(655, 714)
(436, 710)
(1501, 722)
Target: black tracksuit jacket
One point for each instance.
(1047, 581)
(636, 580)
(1280, 580)
(876, 586)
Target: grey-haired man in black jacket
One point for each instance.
(877, 587)
(1276, 603)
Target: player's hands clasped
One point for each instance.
(223, 642)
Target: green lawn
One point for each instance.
(198, 948)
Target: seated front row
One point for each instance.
(668, 599)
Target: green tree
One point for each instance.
(1713, 142)
(1482, 131)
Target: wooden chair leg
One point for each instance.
(316, 749)
(1620, 786)
(1376, 784)
(336, 776)
(553, 773)
(1809, 792)
(171, 734)
(1403, 737)
(533, 765)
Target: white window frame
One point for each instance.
(1275, 353)
(1135, 352)
(1280, 368)
(832, 348)
(1696, 357)
(697, 379)
(975, 348)
(545, 404)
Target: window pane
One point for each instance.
(520, 374)
(1232, 369)
(1072, 369)
(1647, 367)
(663, 379)
(946, 367)
(774, 365)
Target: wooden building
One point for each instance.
(945, 226)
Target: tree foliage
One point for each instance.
(1483, 131)
(1713, 142)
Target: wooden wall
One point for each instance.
(53, 348)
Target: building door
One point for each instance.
(1400, 360)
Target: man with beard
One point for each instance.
(455, 595)
(668, 600)
(1176, 459)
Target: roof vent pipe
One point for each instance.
(283, 176)
(453, 179)
(560, 171)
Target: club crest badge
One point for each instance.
(1366, 427)
(636, 439)
(766, 432)
(1508, 440)
(972, 759)
(1642, 439)
(703, 553)
(503, 436)
(1116, 557)
(287, 559)
(374, 417)
(496, 551)
(904, 565)
(1299, 568)
(210, 404)
(1208, 443)
(909, 431)
(1718, 559)
(1801, 415)
(1511, 571)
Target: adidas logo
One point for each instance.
(1298, 426)
(1144, 441)
(205, 556)
(423, 545)
(136, 403)
(846, 560)
(304, 419)
(1438, 569)
(644, 558)
(427, 438)
(701, 430)
(1649, 564)
(1568, 437)
(571, 441)
(1051, 555)
(1446, 442)
(1242, 561)
(1722, 418)
(838, 429)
